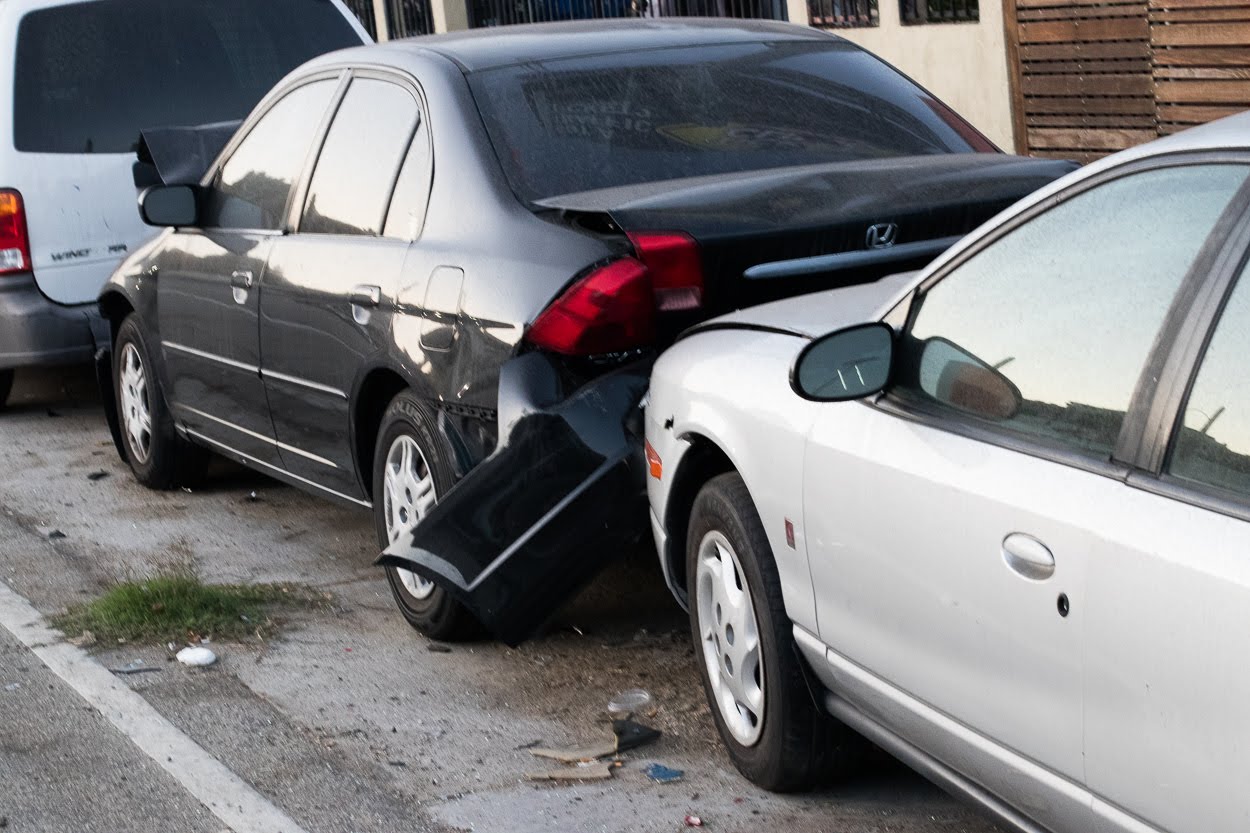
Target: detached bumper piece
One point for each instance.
(563, 494)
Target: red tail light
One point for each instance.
(14, 241)
(610, 310)
(613, 309)
(672, 257)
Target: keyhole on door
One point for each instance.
(1063, 605)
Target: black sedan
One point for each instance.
(457, 254)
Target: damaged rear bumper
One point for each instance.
(562, 495)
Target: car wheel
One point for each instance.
(752, 674)
(159, 458)
(411, 468)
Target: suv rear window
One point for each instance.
(90, 76)
(602, 121)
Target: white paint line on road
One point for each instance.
(224, 794)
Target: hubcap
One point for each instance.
(729, 636)
(136, 415)
(408, 495)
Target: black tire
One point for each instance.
(799, 745)
(6, 386)
(438, 616)
(169, 460)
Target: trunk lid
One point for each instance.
(772, 234)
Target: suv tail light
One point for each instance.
(14, 241)
(613, 308)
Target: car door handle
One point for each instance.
(1028, 556)
(365, 295)
(242, 279)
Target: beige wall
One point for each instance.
(964, 64)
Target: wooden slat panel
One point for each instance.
(1239, 13)
(1204, 73)
(1062, 4)
(1063, 51)
(1197, 34)
(1203, 92)
(1085, 30)
(1083, 138)
(1189, 114)
(1088, 85)
(1082, 12)
(1201, 57)
(1075, 156)
(1112, 120)
(1136, 65)
(1126, 106)
(1194, 4)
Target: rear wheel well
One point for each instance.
(377, 391)
(700, 464)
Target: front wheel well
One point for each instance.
(700, 464)
(114, 307)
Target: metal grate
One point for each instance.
(406, 18)
(938, 11)
(842, 14)
(505, 12)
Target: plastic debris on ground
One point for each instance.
(12, 686)
(694, 821)
(629, 702)
(662, 774)
(197, 656)
(98, 475)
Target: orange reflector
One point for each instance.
(10, 203)
(654, 464)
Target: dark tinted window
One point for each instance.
(583, 123)
(1213, 444)
(90, 76)
(1045, 332)
(351, 185)
(252, 188)
(412, 192)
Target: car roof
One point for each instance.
(489, 48)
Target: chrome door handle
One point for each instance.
(365, 295)
(1028, 556)
(242, 279)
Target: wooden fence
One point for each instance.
(1091, 78)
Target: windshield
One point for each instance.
(90, 76)
(602, 121)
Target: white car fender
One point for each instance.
(731, 389)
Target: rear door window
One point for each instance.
(90, 76)
(355, 174)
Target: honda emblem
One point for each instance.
(881, 236)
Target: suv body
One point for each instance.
(87, 77)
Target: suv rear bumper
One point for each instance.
(36, 331)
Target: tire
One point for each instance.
(6, 386)
(781, 741)
(409, 421)
(159, 458)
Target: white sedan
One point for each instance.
(995, 517)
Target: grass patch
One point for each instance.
(181, 608)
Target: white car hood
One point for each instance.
(822, 312)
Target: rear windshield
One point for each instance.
(90, 76)
(578, 124)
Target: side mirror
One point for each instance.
(846, 364)
(955, 377)
(169, 205)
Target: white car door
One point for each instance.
(952, 526)
(1167, 678)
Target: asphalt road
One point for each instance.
(347, 721)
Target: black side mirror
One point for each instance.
(955, 377)
(169, 205)
(846, 364)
